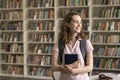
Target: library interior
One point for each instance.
(30, 28)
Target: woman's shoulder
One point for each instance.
(88, 40)
(89, 44)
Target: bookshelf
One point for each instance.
(105, 35)
(27, 37)
(11, 38)
(29, 28)
(40, 38)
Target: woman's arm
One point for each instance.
(85, 69)
(88, 67)
(55, 65)
(89, 61)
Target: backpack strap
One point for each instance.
(83, 49)
(61, 50)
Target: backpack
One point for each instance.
(82, 48)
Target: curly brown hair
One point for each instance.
(64, 35)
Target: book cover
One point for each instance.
(70, 58)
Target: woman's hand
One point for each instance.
(66, 68)
(70, 69)
(76, 64)
(63, 68)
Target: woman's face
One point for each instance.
(75, 24)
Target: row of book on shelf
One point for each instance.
(12, 47)
(41, 14)
(105, 38)
(11, 14)
(38, 71)
(32, 3)
(43, 37)
(11, 25)
(11, 3)
(13, 58)
(15, 70)
(34, 48)
(41, 48)
(74, 2)
(42, 25)
(107, 63)
(113, 12)
(111, 51)
(35, 59)
(107, 2)
(107, 26)
(6, 36)
(41, 3)
(40, 60)
(83, 12)
(33, 70)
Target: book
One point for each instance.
(70, 58)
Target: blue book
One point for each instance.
(70, 58)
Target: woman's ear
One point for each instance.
(67, 25)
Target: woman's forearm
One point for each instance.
(58, 67)
(82, 70)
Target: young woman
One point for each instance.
(70, 34)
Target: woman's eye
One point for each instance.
(75, 21)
